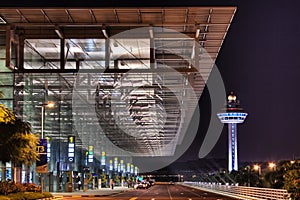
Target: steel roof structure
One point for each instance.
(131, 77)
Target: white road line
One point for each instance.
(169, 193)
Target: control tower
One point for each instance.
(233, 115)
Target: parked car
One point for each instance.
(142, 185)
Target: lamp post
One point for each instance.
(257, 168)
(49, 105)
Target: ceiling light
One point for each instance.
(59, 32)
(151, 33)
(104, 32)
(197, 32)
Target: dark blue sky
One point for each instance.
(259, 60)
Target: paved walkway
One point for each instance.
(91, 193)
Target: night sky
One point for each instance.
(260, 61)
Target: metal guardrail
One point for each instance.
(242, 192)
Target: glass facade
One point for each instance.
(32, 91)
(6, 75)
(121, 84)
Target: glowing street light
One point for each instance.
(272, 165)
(292, 161)
(257, 168)
(50, 104)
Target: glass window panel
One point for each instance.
(3, 68)
(2, 38)
(2, 52)
(70, 65)
(41, 54)
(7, 92)
(7, 103)
(6, 79)
(13, 55)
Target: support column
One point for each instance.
(63, 57)
(107, 53)
(232, 147)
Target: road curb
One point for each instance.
(56, 196)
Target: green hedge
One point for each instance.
(26, 196)
(18, 191)
(11, 187)
(4, 198)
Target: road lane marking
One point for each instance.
(169, 193)
(133, 198)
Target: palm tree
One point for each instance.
(7, 119)
(17, 143)
(23, 146)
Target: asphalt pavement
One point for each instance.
(92, 193)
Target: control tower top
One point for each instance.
(234, 112)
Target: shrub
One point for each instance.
(47, 195)
(16, 196)
(32, 195)
(31, 187)
(4, 198)
(10, 187)
(17, 187)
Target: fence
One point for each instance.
(242, 192)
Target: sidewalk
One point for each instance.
(91, 193)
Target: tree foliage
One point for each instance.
(17, 142)
(292, 180)
(6, 115)
(286, 176)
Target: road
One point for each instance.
(161, 192)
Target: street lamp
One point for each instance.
(272, 165)
(257, 168)
(50, 104)
(292, 162)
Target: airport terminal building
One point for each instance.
(123, 83)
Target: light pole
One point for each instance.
(257, 168)
(49, 105)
